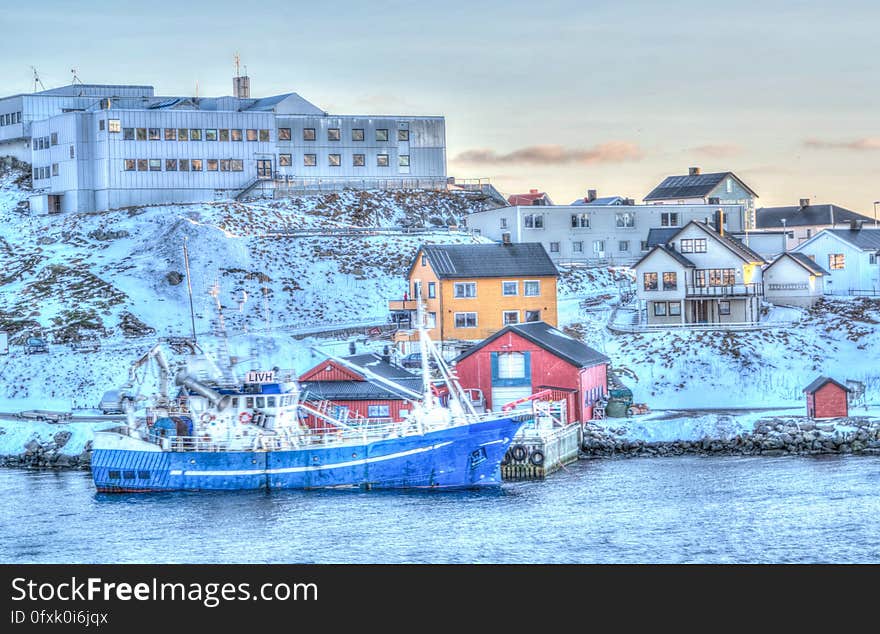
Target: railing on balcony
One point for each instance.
(727, 290)
(402, 304)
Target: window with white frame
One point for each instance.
(114, 125)
(660, 309)
(533, 221)
(625, 219)
(465, 290)
(511, 365)
(554, 247)
(674, 309)
(836, 261)
(465, 320)
(693, 245)
(580, 221)
(510, 288)
(669, 219)
(531, 288)
(598, 246)
(510, 317)
(378, 411)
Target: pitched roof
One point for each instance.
(550, 339)
(527, 199)
(865, 239)
(804, 261)
(660, 235)
(675, 255)
(735, 245)
(356, 390)
(822, 380)
(375, 364)
(692, 186)
(604, 200)
(457, 261)
(811, 215)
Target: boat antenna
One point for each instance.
(423, 349)
(228, 371)
(192, 314)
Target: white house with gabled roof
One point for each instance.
(700, 276)
(851, 257)
(793, 279)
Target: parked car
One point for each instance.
(414, 360)
(35, 345)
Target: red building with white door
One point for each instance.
(523, 359)
(826, 398)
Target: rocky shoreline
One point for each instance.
(49, 455)
(795, 436)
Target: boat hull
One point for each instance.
(467, 456)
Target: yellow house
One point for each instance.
(471, 291)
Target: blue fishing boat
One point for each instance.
(220, 433)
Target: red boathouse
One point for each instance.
(523, 359)
(827, 398)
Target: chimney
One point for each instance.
(855, 225)
(805, 202)
(719, 221)
(693, 171)
(241, 87)
(592, 194)
(533, 191)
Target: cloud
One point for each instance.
(611, 152)
(720, 150)
(861, 145)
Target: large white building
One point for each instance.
(104, 146)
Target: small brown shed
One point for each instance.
(826, 398)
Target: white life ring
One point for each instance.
(244, 418)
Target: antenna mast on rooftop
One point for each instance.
(236, 59)
(37, 80)
(241, 84)
(76, 79)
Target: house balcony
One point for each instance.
(402, 304)
(729, 290)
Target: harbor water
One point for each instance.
(688, 509)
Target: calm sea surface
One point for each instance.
(640, 510)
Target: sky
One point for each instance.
(556, 95)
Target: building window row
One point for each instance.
(335, 160)
(10, 118)
(663, 309)
(44, 142)
(335, 134)
(715, 277)
(183, 165)
(194, 134)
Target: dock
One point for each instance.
(536, 453)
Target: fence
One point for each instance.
(632, 322)
(595, 262)
(294, 185)
(855, 292)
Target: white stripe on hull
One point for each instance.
(338, 465)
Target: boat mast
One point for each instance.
(192, 314)
(423, 350)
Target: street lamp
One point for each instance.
(876, 202)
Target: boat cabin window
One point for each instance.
(250, 402)
(235, 402)
(270, 401)
(261, 402)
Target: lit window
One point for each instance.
(670, 281)
(334, 160)
(465, 320)
(357, 134)
(212, 165)
(310, 160)
(650, 281)
(358, 160)
(403, 160)
(510, 288)
(251, 135)
(403, 136)
(531, 288)
(381, 134)
(196, 165)
(154, 134)
(223, 134)
(285, 160)
(129, 165)
(465, 290)
(510, 317)
(660, 309)
(170, 134)
(170, 165)
(264, 136)
(308, 134)
(382, 160)
(195, 135)
(333, 134)
(235, 135)
(114, 125)
(182, 134)
(155, 165)
(836, 261)
(284, 134)
(141, 134)
(210, 135)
